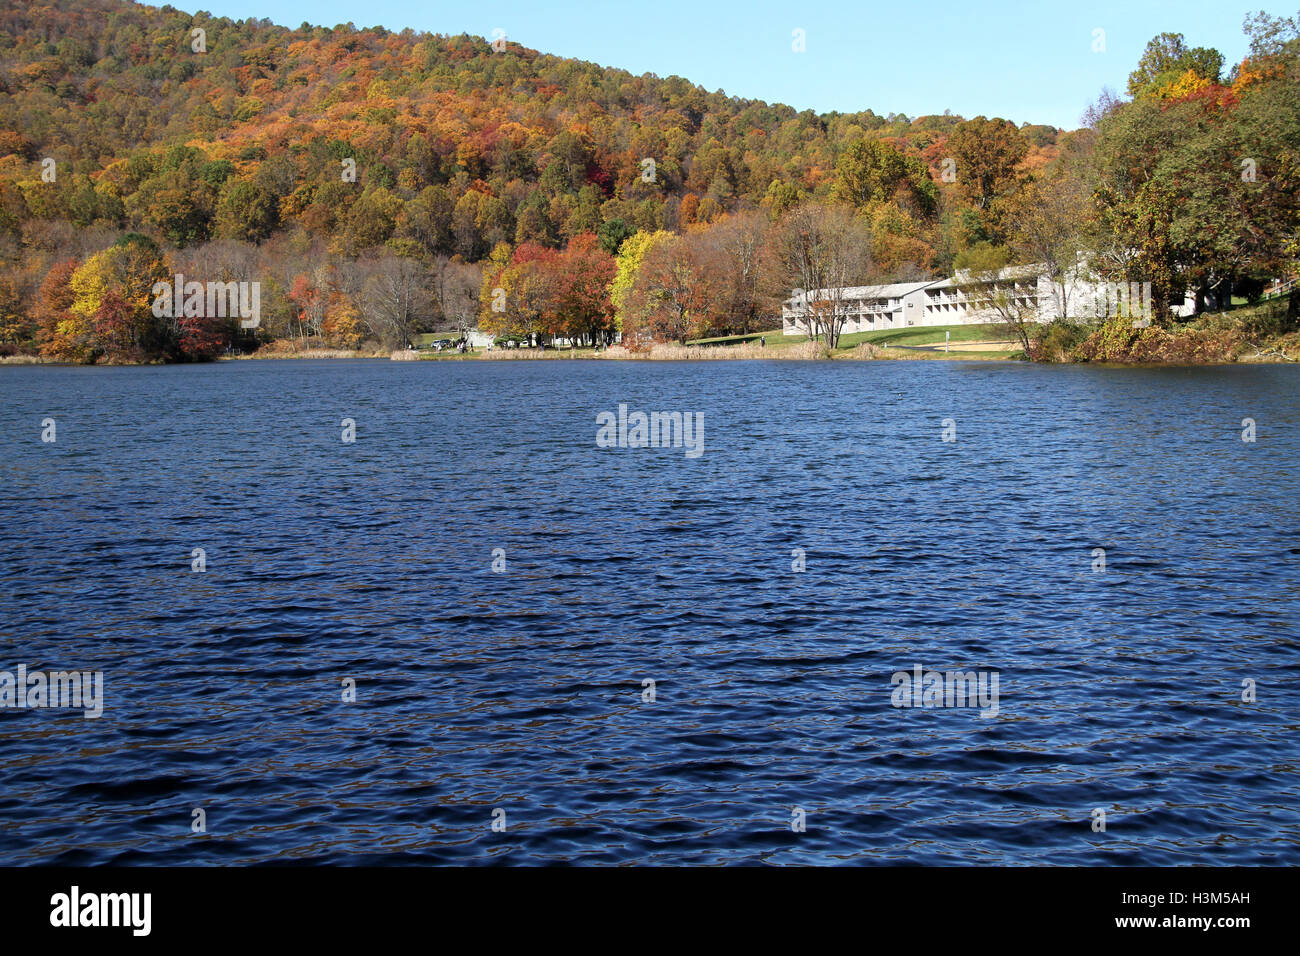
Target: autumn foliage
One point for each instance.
(378, 185)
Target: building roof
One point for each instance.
(899, 289)
(895, 290)
(965, 276)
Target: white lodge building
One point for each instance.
(942, 302)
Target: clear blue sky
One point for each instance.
(1022, 60)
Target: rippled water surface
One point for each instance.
(523, 690)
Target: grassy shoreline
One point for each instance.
(897, 344)
(1225, 339)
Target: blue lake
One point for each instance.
(523, 689)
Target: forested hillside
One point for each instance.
(544, 148)
(379, 183)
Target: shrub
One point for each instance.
(1117, 341)
(1057, 341)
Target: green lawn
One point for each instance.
(912, 335)
(735, 339)
(972, 355)
(933, 334)
(424, 340)
(909, 335)
(885, 338)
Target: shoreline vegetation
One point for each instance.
(1255, 334)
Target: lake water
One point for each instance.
(518, 696)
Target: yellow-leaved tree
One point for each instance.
(112, 299)
(631, 255)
